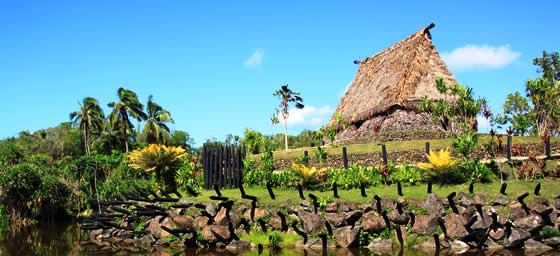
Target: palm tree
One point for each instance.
(90, 119)
(286, 97)
(128, 106)
(155, 128)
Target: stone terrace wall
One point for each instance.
(401, 157)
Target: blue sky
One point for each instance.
(215, 64)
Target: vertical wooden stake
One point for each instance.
(344, 158)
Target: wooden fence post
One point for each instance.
(427, 147)
(508, 149)
(547, 147)
(306, 157)
(384, 154)
(344, 158)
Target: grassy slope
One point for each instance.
(550, 189)
(392, 146)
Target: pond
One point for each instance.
(68, 239)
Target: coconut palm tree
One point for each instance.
(90, 119)
(287, 97)
(156, 129)
(126, 108)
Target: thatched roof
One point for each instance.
(397, 77)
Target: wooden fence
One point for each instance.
(222, 165)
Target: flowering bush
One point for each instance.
(309, 175)
(441, 168)
(159, 160)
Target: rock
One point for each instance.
(347, 236)
(154, 227)
(200, 222)
(538, 208)
(482, 221)
(492, 246)
(352, 217)
(146, 240)
(366, 207)
(534, 247)
(275, 223)
(237, 247)
(516, 238)
(331, 207)
(434, 206)
(455, 226)
(416, 203)
(465, 200)
(424, 224)
(381, 246)
(480, 199)
(336, 219)
(397, 218)
(235, 218)
(496, 234)
(183, 221)
(501, 200)
(259, 213)
(312, 223)
(211, 209)
(402, 201)
(517, 213)
(529, 223)
(557, 203)
(458, 247)
(553, 241)
(221, 231)
(372, 222)
(222, 217)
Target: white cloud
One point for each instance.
(479, 57)
(255, 60)
(308, 116)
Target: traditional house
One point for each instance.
(382, 103)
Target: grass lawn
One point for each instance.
(550, 189)
(393, 146)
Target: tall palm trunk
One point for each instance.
(286, 133)
(125, 137)
(86, 141)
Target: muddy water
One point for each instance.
(67, 239)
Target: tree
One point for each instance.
(517, 112)
(549, 66)
(287, 97)
(127, 106)
(181, 139)
(90, 119)
(545, 96)
(462, 112)
(156, 129)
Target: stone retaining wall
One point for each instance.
(457, 222)
(401, 157)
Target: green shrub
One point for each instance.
(32, 191)
(321, 155)
(254, 175)
(475, 171)
(465, 144)
(121, 182)
(186, 176)
(407, 174)
(10, 153)
(354, 176)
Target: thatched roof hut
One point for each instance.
(386, 91)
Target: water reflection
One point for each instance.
(66, 239)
